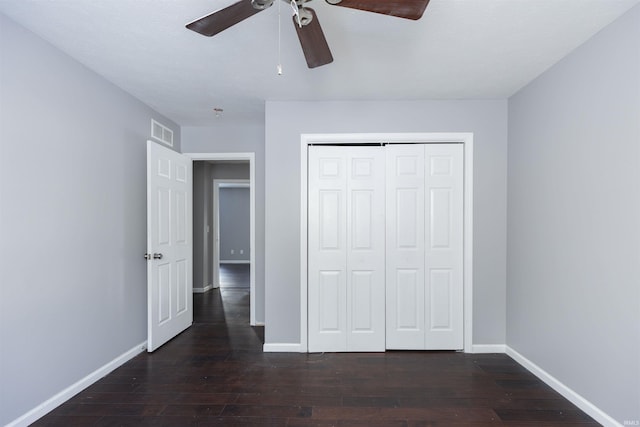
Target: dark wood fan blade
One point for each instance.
(410, 9)
(222, 19)
(314, 45)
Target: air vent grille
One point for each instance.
(161, 133)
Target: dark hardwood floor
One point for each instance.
(234, 275)
(215, 374)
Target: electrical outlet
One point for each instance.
(241, 251)
(232, 251)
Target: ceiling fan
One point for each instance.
(314, 45)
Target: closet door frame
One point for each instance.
(465, 138)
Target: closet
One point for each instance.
(385, 247)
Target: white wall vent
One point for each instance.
(161, 133)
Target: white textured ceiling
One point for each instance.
(460, 49)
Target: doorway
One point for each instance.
(231, 246)
(205, 165)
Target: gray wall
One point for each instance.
(234, 224)
(236, 137)
(72, 221)
(486, 119)
(223, 170)
(574, 220)
(202, 225)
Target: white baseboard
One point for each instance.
(281, 348)
(592, 410)
(202, 290)
(488, 348)
(236, 261)
(295, 348)
(49, 405)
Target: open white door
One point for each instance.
(169, 244)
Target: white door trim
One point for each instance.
(251, 158)
(465, 138)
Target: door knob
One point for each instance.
(147, 256)
(157, 256)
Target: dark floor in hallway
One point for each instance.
(234, 275)
(215, 374)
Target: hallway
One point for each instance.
(215, 374)
(234, 275)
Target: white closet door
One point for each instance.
(405, 297)
(346, 249)
(425, 247)
(327, 249)
(366, 249)
(444, 247)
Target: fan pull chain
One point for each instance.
(279, 41)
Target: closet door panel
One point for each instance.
(444, 247)
(346, 249)
(327, 250)
(366, 249)
(405, 211)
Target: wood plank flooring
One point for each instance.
(215, 374)
(234, 275)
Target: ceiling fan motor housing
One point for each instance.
(305, 16)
